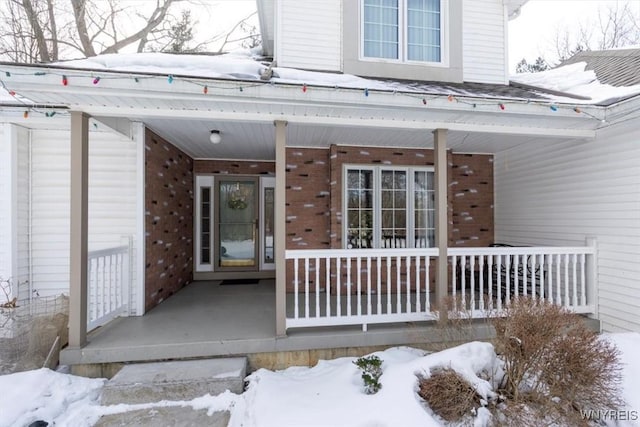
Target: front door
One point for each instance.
(233, 223)
(236, 219)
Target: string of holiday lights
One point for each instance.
(205, 86)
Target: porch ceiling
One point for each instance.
(183, 114)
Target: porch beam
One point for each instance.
(381, 123)
(441, 220)
(280, 218)
(79, 229)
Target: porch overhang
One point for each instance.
(181, 109)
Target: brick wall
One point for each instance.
(169, 219)
(308, 199)
(314, 194)
(232, 167)
(471, 177)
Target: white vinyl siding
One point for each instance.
(112, 201)
(23, 192)
(566, 192)
(308, 34)
(484, 54)
(5, 207)
(14, 210)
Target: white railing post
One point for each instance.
(592, 275)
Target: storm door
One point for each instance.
(236, 221)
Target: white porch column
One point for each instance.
(280, 218)
(79, 229)
(442, 226)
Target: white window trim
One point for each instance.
(402, 36)
(377, 197)
(203, 181)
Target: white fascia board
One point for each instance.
(155, 87)
(344, 121)
(623, 110)
(287, 95)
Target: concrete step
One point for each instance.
(180, 380)
(166, 417)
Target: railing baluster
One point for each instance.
(398, 285)
(408, 267)
(306, 287)
(472, 279)
(541, 276)
(490, 281)
(574, 283)
(349, 286)
(359, 287)
(338, 287)
(516, 270)
(499, 281)
(507, 280)
(427, 283)
(567, 295)
(417, 284)
(463, 281)
(369, 285)
(525, 272)
(296, 312)
(379, 284)
(558, 281)
(389, 295)
(481, 284)
(549, 259)
(583, 275)
(327, 285)
(454, 281)
(317, 266)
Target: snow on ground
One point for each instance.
(328, 394)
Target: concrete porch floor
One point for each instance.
(205, 319)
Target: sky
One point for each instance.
(532, 33)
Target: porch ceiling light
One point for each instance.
(215, 137)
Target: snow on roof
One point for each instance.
(576, 80)
(240, 64)
(243, 65)
(565, 82)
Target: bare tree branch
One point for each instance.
(79, 9)
(37, 30)
(54, 30)
(156, 18)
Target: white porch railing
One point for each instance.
(485, 279)
(359, 286)
(108, 288)
(368, 286)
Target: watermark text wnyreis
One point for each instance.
(609, 415)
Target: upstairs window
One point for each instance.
(403, 30)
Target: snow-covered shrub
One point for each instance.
(553, 363)
(448, 394)
(371, 367)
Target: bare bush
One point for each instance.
(553, 364)
(448, 395)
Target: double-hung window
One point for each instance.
(403, 30)
(388, 207)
